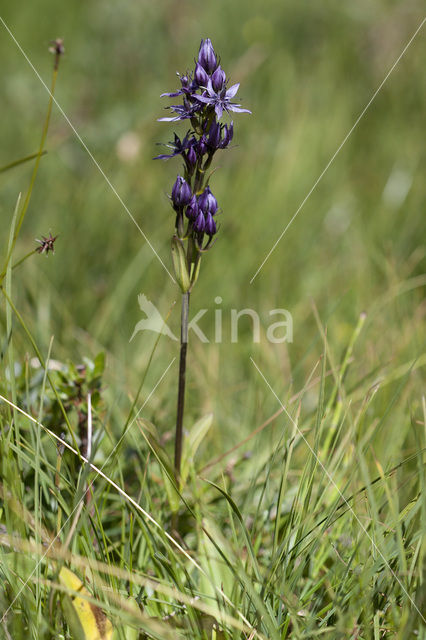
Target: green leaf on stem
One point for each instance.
(191, 444)
(180, 264)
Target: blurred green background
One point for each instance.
(307, 70)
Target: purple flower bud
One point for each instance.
(191, 158)
(218, 79)
(228, 133)
(181, 193)
(192, 209)
(210, 225)
(202, 145)
(200, 222)
(206, 56)
(200, 75)
(213, 139)
(207, 202)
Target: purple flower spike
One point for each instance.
(218, 79)
(204, 97)
(181, 193)
(206, 56)
(207, 202)
(210, 225)
(199, 223)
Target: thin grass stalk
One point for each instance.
(34, 174)
(9, 332)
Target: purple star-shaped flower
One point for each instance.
(178, 147)
(188, 86)
(221, 100)
(184, 111)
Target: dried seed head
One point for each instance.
(57, 48)
(46, 244)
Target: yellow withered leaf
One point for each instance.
(86, 620)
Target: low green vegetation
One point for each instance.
(300, 512)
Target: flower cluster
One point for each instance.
(205, 97)
(199, 210)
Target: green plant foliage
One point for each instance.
(301, 499)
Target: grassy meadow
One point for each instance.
(301, 511)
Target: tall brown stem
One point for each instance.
(181, 389)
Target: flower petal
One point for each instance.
(219, 110)
(173, 119)
(236, 108)
(210, 89)
(171, 95)
(203, 99)
(232, 90)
